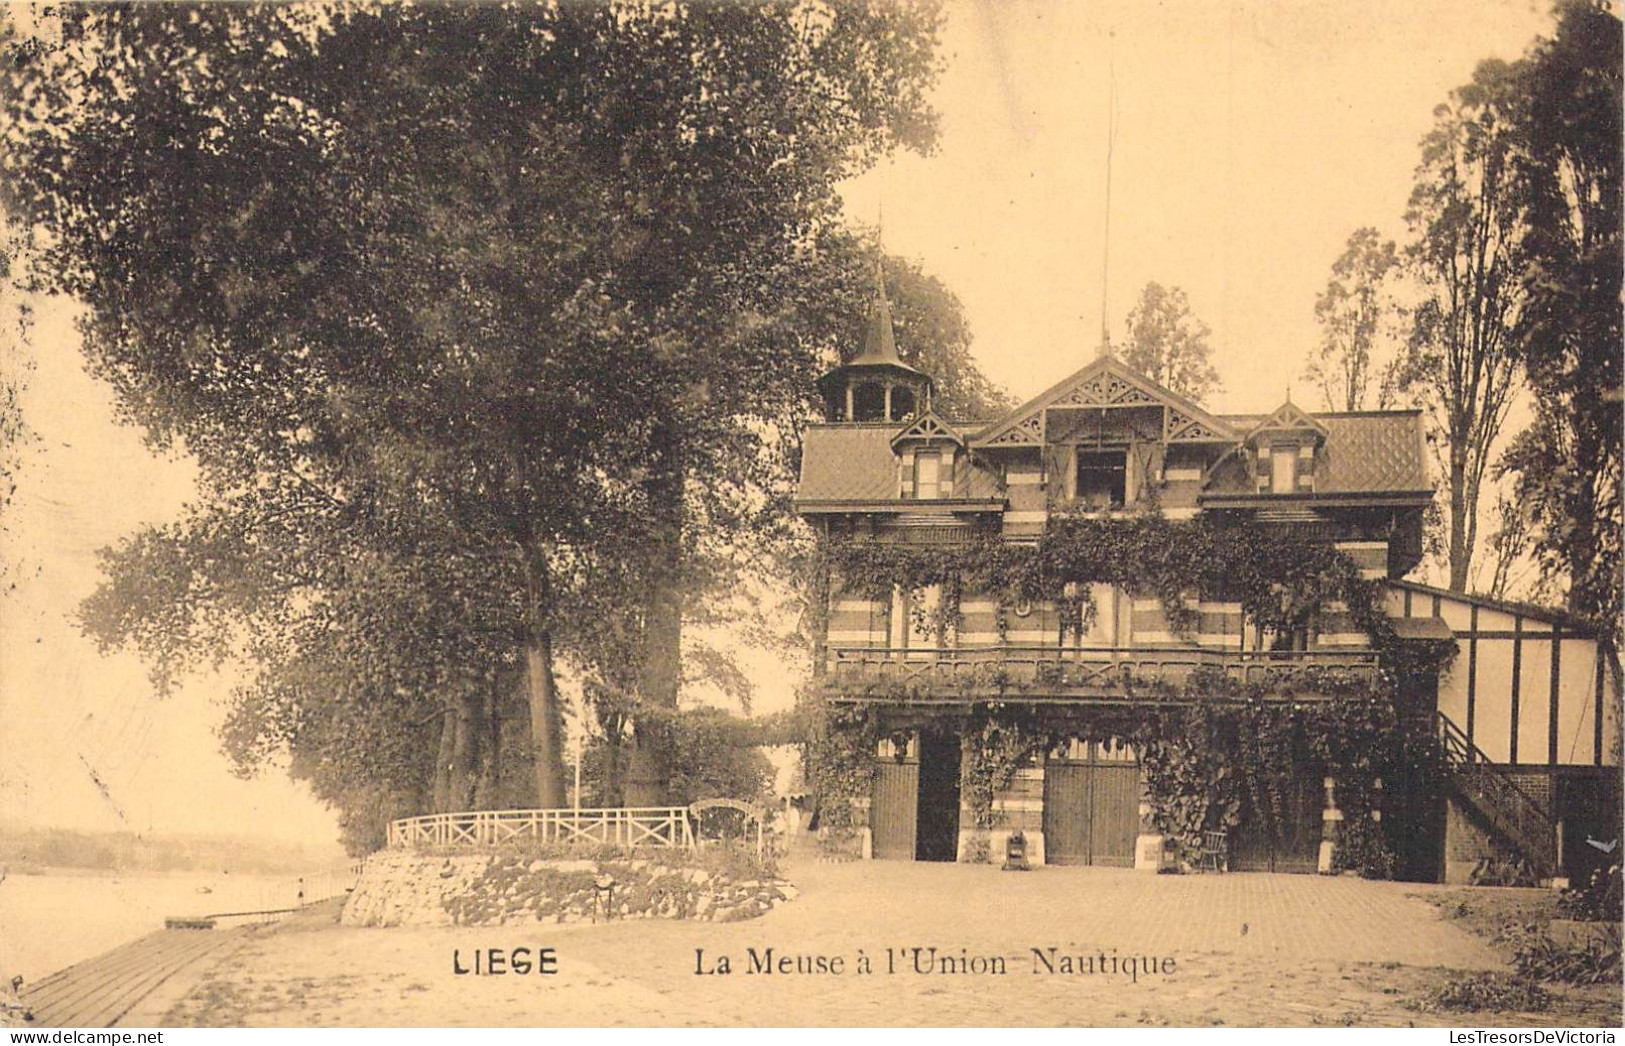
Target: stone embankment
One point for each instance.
(410, 888)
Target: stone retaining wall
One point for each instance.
(406, 888)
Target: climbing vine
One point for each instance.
(999, 740)
(1214, 749)
(838, 758)
(1281, 580)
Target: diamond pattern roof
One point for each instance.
(1379, 452)
(857, 463)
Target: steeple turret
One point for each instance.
(876, 385)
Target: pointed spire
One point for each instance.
(879, 342)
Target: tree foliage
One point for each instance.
(450, 302)
(1465, 254)
(1353, 312)
(1168, 344)
(1566, 466)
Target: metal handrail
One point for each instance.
(1513, 810)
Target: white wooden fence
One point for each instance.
(624, 826)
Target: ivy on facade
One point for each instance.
(1213, 749)
(1281, 580)
(998, 741)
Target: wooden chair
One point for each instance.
(1215, 855)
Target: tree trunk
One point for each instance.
(542, 689)
(466, 751)
(1461, 551)
(612, 777)
(1584, 591)
(443, 762)
(490, 779)
(648, 773)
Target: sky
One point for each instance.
(1251, 139)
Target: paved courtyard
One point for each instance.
(1240, 949)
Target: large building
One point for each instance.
(1526, 711)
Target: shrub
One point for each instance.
(1599, 900)
(1496, 992)
(977, 849)
(1596, 960)
(1362, 848)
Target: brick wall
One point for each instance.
(1466, 842)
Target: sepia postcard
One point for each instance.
(811, 513)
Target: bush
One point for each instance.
(978, 850)
(1594, 961)
(1495, 992)
(737, 861)
(1362, 848)
(1599, 900)
(839, 844)
(707, 761)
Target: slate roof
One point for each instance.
(1379, 452)
(1369, 452)
(857, 463)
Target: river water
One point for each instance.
(52, 920)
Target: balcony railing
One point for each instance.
(1068, 674)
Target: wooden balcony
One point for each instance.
(1086, 675)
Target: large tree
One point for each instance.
(1566, 167)
(1466, 226)
(1353, 311)
(477, 287)
(1168, 344)
(824, 299)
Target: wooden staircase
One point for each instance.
(1510, 811)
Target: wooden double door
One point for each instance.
(1287, 840)
(1092, 804)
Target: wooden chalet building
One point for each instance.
(1526, 711)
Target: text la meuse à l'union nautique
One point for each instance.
(931, 960)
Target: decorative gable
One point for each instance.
(1288, 420)
(927, 436)
(1285, 446)
(927, 428)
(1105, 384)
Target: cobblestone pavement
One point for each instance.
(1245, 949)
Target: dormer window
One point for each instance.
(1285, 443)
(928, 475)
(1102, 478)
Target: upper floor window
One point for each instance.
(1102, 478)
(1283, 469)
(928, 475)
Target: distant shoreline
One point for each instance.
(21, 868)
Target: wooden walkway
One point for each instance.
(98, 992)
